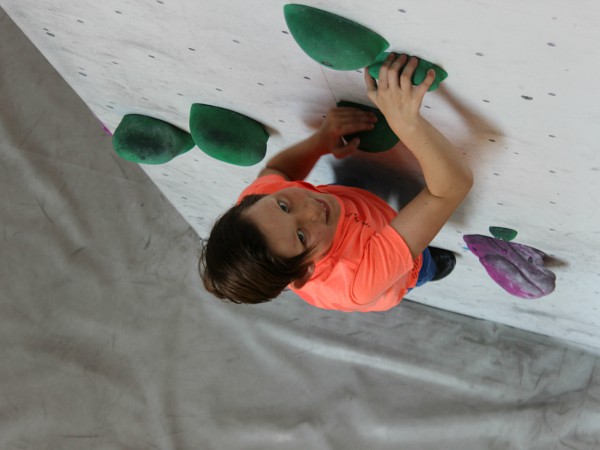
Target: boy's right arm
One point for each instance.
(296, 162)
(448, 179)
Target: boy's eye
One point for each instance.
(283, 206)
(301, 236)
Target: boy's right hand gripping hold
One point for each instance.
(343, 121)
(295, 162)
(448, 179)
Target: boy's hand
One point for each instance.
(342, 122)
(394, 93)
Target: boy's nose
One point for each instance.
(310, 212)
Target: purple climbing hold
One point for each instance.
(518, 269)
(106, 129)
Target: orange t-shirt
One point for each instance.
(369, 266)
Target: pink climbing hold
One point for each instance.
(518, 269)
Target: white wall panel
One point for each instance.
(520, 102)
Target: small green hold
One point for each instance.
(380, 139)
(332, 40)
(504, 234)
(146, 140)
(227, 135)
(418, 76)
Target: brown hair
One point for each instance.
(236, 263)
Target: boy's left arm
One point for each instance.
(296, 162)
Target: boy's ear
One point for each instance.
(297, 284)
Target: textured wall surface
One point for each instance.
(520, 103)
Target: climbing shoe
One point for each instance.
(444, 262)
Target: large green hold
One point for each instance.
(227, 135)
(380, 138)
(420, 72)
(146, 140)
(331, 40)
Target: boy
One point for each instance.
(339, 247)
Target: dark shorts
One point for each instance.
(428, 269)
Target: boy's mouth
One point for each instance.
(325, 209)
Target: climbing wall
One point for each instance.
(520, 104)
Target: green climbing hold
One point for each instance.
(331, 40)
(420, 72)
(146, 140)
(227, 135)
(380, 138)
(504, 234)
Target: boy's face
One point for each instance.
(295, 219)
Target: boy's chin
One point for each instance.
(321, 256)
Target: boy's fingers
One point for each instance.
(391, 58)
(370, 81)
(407, 73)
(349, 128)
(360, 119)
(384, 71)
(397, 66)
(356, 127)
(350, 112)
(427, 82)
(364, 117)
(347, 109)
(399, 62)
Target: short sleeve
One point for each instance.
(385, 262)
